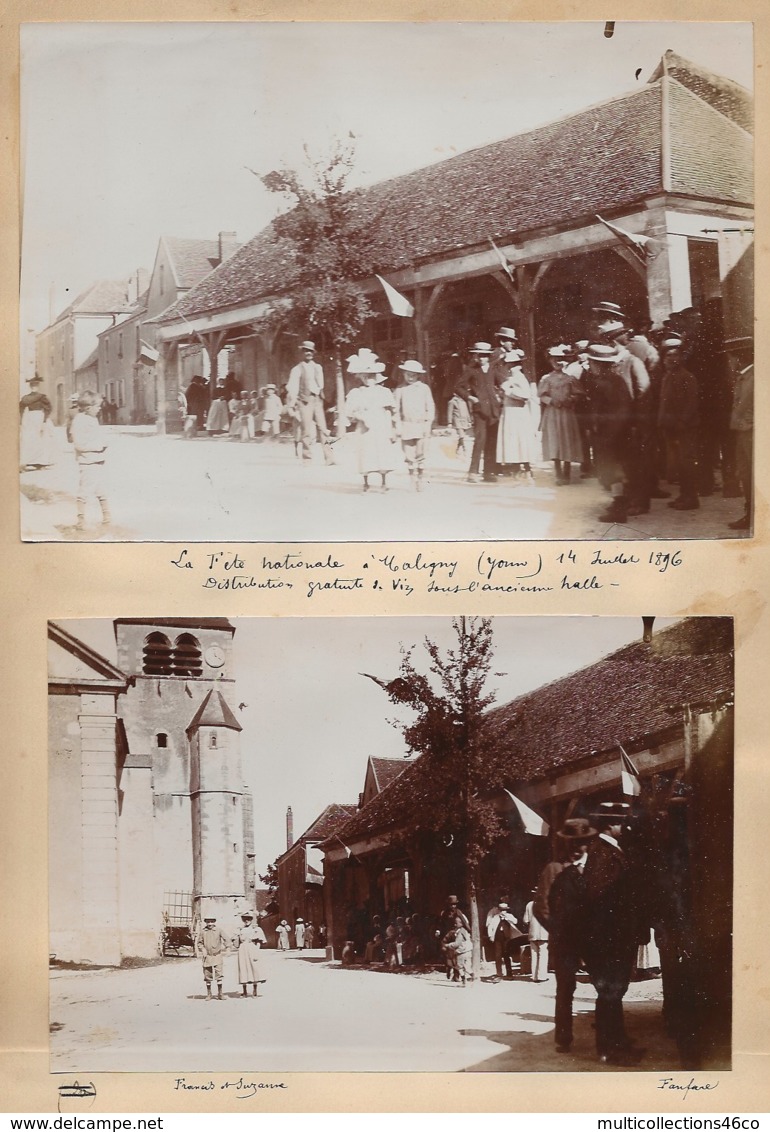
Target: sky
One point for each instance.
(311, 719)
(131, 131)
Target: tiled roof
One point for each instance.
(103, 297)
(192, 259)
(711, 157)
(387, 770)
(726, 96)
(214, 712)
(328, 822)
(623, 698)
(603, 159)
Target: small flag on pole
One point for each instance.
(398, 304)
(348, 850)
(531, 821)
(641, 246)
(629, 775)
(504, 262)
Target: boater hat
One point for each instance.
(612, 812)
(576, 829)
(560, 351)
(612, 326)
(209, 919)
(247, 915)
(506, 332)
(610, 309)
(597, 352)
(480, 348)
(307, 346)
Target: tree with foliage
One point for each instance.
(458, 769)
(270, 881)
(328, 236)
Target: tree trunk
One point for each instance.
(341, 423)
(473, 904)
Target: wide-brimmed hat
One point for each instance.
(365, 362)
(506, 332)
(247, 915)
(611, 309)
(612, 812)
(576, 829)
(35, 379)
(480, 348)
(598, 352)
(209, 919)
(503, 904)
(268, 388)
(307, 345)
(412, 366)
(300, 920)
(560, 351)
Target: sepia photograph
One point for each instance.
(507, 267)
(383, 844)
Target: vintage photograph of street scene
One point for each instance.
(502, 290)
(390, 844)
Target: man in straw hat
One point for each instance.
(613, 932)
(304, 394)
(612, 409)
(477, 386)
(561, 909)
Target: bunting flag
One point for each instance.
(641, 246)
(531, 821)
(629, 775)
(506, 265)
(348, 850)
(398, 304)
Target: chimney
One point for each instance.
(228, 243)
(647, 623)
(289, 828)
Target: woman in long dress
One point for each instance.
(37, 445)
(248, 941)
(560, 396)
(518, 420)
(371, 408)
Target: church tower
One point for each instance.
(216, 792)
(175, 666)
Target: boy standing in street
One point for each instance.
(90, 447)
(211, 943)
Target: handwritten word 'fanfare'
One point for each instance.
(691, 1087)
(394, 564)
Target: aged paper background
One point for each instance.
(58, 581)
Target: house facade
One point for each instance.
(301, 868)
(148, 810)
(127, 357)
(669, 164)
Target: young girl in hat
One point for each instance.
(559, 394)
(371, 407)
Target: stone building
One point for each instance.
(63, 349)
(670, 164)
(126, 351)
(300, 868)
(148, 810)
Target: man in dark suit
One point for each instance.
(612, 931)
(562, 911)
(477, 386)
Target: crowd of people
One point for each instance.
(610, 911)
(635, 407)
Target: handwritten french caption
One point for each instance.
(578, 569)
(241, 1089)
